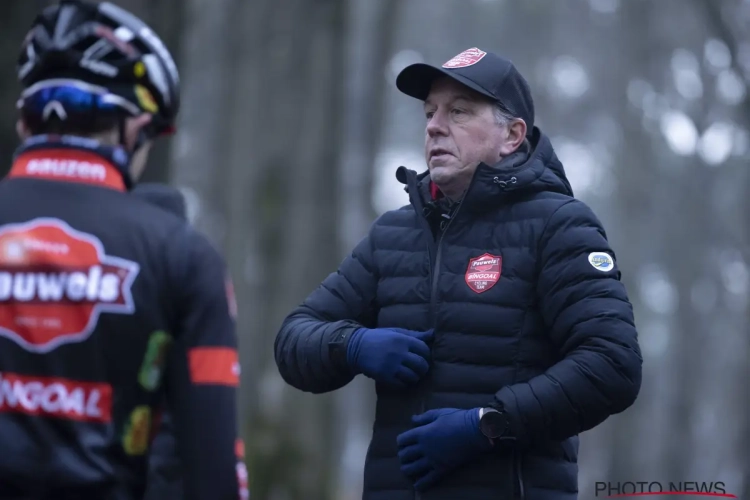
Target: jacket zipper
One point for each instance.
(434, 269)
(434, 274)
(519, 475)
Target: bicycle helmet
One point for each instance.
(79, 54)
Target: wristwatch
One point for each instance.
(493, 423)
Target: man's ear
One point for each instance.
(133, 126)
(22, 130)
(516, 135)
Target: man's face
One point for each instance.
(461, 131)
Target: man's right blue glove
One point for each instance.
(392, 356)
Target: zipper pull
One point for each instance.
(446, 219)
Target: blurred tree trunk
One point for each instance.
(638, 449)
(722, 18)
(681, 258)
(369, 39)
(15, 22)
(259, 147)
(198, 163)
(726, 22)
(309, 239)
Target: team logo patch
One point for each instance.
(601, 261)
(55, 397)
(483, 272)
(152, 367)
(137, 436)
(466, 58)
(54, 283)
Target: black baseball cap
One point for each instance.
(489, 74)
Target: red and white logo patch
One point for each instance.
(68, 165)
(55, 397)
(466, 58)
(54, 283)
(483, 272)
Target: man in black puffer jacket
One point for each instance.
(489, 311)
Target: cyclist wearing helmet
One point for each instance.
(108, 303)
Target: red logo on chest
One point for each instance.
(483, 272)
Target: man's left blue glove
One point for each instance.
(442, 440)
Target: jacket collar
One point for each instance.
(524, 172)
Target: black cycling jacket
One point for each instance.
(108, 304)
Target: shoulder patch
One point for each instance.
(601, 261)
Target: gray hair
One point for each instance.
(502, 116)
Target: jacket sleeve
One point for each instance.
(165, 472)
(310, 347)
(590, 319)
(203, 376)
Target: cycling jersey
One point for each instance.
(108, 305)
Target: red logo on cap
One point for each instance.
(466, 58)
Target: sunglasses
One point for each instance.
(72, 96)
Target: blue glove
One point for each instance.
(443, 440)
(392, 356)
